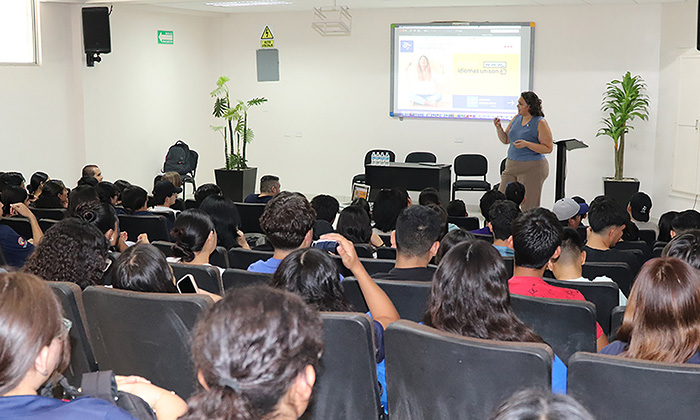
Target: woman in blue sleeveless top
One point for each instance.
(530, 139)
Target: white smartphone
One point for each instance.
(187, 284)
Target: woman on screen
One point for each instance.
(424, 87)
(530, 138)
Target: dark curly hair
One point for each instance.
(470, 296)
(72, 250)
(286, 220)
(534, 103)
(249, 349)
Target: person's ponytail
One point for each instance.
(218, 403)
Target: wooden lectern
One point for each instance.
(562, 147)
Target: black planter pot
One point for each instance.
(620, 190)
(236, 184)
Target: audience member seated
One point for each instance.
(312, 274)
(416, 241)
(11, 178)
(470, 297)
(36, 184)
(502, 214)
(227, 221)
(15, 248)
(665, 226)
(537, 237)
(80, 195)
(164, 197)
(387, 206)
(354, 224)
(121, 185)
(569, 264)
(204, 191)
(134, 200)
(72, 250)
(104, 217)
(661, 321)
(639, 208)
(445, 226)
(13, 194)
(457, 208)
(684, 221)
(429, 196)
(175, 179)
(363, 204)
(287, 222)
(53, 196)
(538, 404)
(92, 171)
(87, 181)
(195, 238)
(584, 207)
(515, 192)
(485, 204)
(326, 209)
(269, 187)
(569, 212)
(449, 241)
(685, 247)
(608, 219)
(35, 350)
(107, 193)
(257, 352)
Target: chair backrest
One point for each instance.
(438, 375)
(191, 204)
(605, 297)
(487, 238)
(346, 386)
(206, 276)
(242, 258)
(53, 214)
(364, 251)
(409, 297)
(386, 253)
(466, 223)
(235, 278)
(619, 272)
(20, 225)
(46, 224)
(368, 155)
(250, 216)
(640, 246)
(622, 388)
(618, 314)
(510, 265)
(165, 247)
(419, 157)
(471, 165)
(155, 226)
(567, 326)
(502, 167)
(145, 334)
(648, 236)
(82, 359)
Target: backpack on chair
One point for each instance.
(180, 159)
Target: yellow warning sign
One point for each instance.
(267, 43)
(267, 34)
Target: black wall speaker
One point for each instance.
(96, 36)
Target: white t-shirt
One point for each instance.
(622, 297)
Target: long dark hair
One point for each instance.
(312, 274)
(354, 224)
(143, 268)
(227, 221)
(191, 231)
(470, 296)
(249, 349)
(36, 182)
(49, 195)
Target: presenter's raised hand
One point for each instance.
(497, 122)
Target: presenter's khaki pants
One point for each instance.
(531, 174)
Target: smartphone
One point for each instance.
(328, 246)
(187, 284)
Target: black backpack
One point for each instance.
(180, 159)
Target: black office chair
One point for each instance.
(510, 265)
(648, 236)
(619, 272)
(20, 225)
(622, 388)
(360, 178)
(241, 258)
(605, 297)
(250, 216)
(82, 359)
(46, 224)
(616, 317)
(438, 375)
(364, 250)
(487, 238)
(386, 253)
(346, 387)
(53, 214)
(503, 165)
(145, 334)
(409, 297)
(466, 223)
(420, 157)
(641, 246)
(567, 326)
(206, 276)
(154, 226)
(235, 278)
(372, 265)
(474, 166)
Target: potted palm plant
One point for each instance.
(623, 100)
(236, 179)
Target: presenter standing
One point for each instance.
(530, 138)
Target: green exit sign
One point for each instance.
(165, 37)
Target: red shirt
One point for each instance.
(536, 287)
